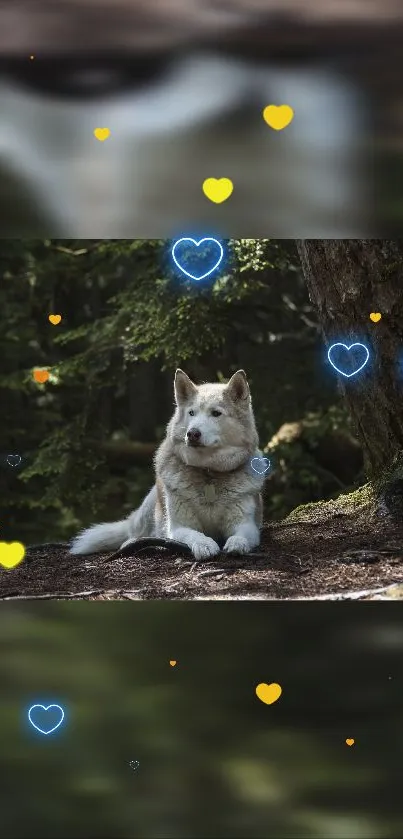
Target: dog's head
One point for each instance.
(213, 426)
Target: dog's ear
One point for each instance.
(184, 388)
(237, 387)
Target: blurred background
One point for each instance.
(182, 84)
(87, 437)
(214, 761)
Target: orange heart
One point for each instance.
(375, 316)
(41, 375)
(350, 741)
(172, 663)
(55, 319)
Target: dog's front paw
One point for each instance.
(237, 545)
(204, 547)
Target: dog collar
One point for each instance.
(212, 473)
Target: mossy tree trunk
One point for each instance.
(348, 279)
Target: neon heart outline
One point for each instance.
(13, 455)
(206, 239)
(260, 459)
(45, 708)
(356, 344)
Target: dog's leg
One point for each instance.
(245, 537)
(201, 546)
(242, 525)
(182, 524)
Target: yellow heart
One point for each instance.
(375, 316)
(102, 134)
(55, 319)
(278, 116)
(11, 554)
(218, 189)
(268, 693)
(350, 741)
(172, 663)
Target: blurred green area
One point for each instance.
(129, 318)
(214, 760)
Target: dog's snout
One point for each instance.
(193, 436)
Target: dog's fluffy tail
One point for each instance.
(104, 537)
(101, 537)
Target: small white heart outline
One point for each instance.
(259, 459)
(13, 455)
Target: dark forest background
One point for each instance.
(129, 318)
(214, 761)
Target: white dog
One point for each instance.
(206, 490)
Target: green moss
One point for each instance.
(344, 504)
(301, 511)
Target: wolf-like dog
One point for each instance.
(206, 492)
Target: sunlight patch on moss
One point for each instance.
(344, 504)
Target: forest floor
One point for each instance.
(327, 551)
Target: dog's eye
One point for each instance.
(191, 413)
(216, 413)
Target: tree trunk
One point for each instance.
(348, 279)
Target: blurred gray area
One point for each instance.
(197, 77)
(213, 760)
(204, 119)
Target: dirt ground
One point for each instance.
(327, 552)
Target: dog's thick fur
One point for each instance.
(206, 492)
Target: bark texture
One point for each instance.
(348, 279)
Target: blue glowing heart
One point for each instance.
(260, 465)
(353, 363)
(214, 255)
(38, 719)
